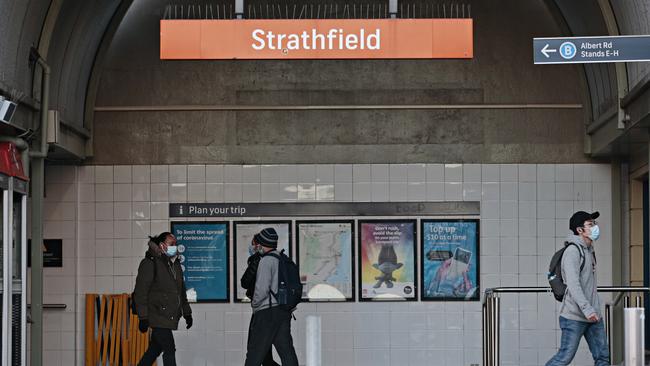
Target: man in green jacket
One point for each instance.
(161, 299)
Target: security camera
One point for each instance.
(7, 109)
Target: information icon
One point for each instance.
(568, 50)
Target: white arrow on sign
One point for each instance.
(546, 51)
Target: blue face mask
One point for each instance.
(251, 250)
(171, 250)
(595, 233)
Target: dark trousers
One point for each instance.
(162, 341)
(268, 359)
(270, 327)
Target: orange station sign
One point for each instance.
(316, 39)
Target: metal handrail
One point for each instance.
(51, 306)
(489, 291)
(45, 307)
(491, 305)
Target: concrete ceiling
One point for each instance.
(72, 34)
(618, 93)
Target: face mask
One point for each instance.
(251, 250)
(595, 233)
(171, 251)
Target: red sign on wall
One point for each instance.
(11, 163)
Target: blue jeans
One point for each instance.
(572, 331)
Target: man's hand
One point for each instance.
(188, 322)
(143, 325)
(593, 318)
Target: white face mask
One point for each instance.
(171, 251)
(595, 233)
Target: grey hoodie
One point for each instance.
(266, 281)
(581, 299)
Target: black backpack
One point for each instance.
(289, 293)
(558, 287)
(132, 305)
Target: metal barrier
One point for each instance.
(51, 306)
(45, 307)
(491, 314)
(313, 341)
(634, 336)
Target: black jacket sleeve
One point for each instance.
(248, 278)
(187, 310)
(142, 286)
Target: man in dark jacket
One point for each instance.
(160, 298)
(270, 324)
(248, 282)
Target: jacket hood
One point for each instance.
(154, 249)
(572, 238)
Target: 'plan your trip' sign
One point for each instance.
(324, 209)
(571, 50)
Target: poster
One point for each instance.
(243, 234)
(387, 260)
(203, 252)
(450, 255)
(325, 259)
(52, 253)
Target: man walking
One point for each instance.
(580, 311)
(270, 323)
(248, 282)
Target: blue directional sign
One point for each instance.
(578, 50)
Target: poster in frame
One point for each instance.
(449, 260)
(325, 259)
(387, 270)
(203, 250)
(243, 232)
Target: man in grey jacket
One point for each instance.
(270, 323)
(580, 311)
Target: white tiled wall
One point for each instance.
(60, 213)
(104, 214)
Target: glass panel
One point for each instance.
(16, 235)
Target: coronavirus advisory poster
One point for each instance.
(203, 252)
(387, 260)
(449, 258)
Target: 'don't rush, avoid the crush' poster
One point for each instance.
(387, 260)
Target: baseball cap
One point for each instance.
(578, 219)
